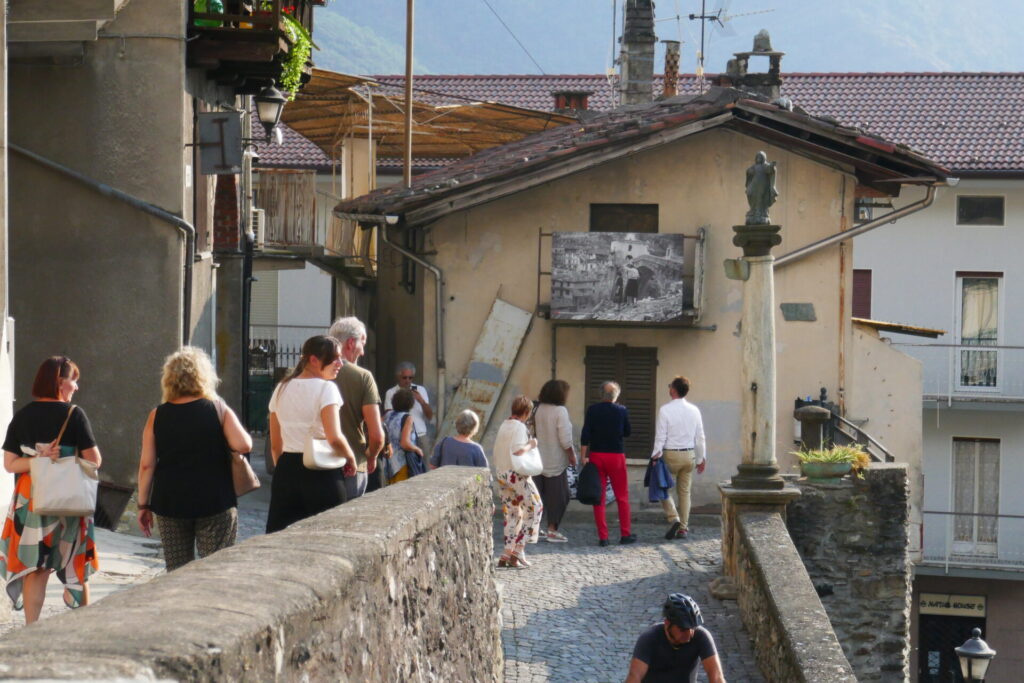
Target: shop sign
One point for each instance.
(952, 605)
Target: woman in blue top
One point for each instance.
(460, 449)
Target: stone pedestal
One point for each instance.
(736, 501)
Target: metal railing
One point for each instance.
(964, 371)
(973, 539)
(846, 433)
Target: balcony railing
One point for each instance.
(954, 371)
(300, 219)
(246, 45)
(969, 539)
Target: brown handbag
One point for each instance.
(243, 477)
(242, 474)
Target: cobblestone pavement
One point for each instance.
(574, 616)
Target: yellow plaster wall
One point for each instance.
(492, 250)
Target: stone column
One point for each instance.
(757, 487)
(759, 468)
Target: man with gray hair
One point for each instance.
(602, 442)
(360, 411)
(421, 411)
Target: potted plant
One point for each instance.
(830, 464)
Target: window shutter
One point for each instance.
(635, 369)
(862, 294)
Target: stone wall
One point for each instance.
(395, 586)
(794, 639)
(852, 537)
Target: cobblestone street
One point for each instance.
(574, 616)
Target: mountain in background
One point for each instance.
(576, 36)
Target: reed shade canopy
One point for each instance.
(335, 106)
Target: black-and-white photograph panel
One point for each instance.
(623, 276)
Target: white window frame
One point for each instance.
(956, 211)
(974, 547)
(959, 348)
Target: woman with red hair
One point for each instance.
(32, 545)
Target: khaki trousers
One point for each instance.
(681, 465)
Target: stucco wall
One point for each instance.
(698, 181)
(91, 277)
(358, 593)
(885, 393)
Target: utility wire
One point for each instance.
(514, 37)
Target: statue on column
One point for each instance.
(761, 192)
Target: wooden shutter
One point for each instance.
(635, 369)
(862, 294)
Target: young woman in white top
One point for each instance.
(554, 441)
(519, 498)
(305, 401)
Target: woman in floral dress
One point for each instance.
(519, 497)
(32, 546)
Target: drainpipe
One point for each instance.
(184, 227)
(438, 309)
(890, 217)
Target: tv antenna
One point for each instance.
(720, 19)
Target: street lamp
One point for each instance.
(269, 105)
(975, 656)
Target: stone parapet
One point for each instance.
(793, 638)
(853, 538)
(395, 586)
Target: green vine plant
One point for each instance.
(302, 47)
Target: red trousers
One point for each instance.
(612, 466)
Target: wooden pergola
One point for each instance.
(335, 106)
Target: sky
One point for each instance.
(576, 36)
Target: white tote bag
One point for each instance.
(527, 464)
(318, 454)
(65, 487)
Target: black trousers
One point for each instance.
(554, 493)
(297, 493)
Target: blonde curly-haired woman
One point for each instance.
(185, 470)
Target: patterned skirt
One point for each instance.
(29, 542)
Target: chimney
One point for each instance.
(767, 85)
(671, 82)
(636, 56)
(571, 100)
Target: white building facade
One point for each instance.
(955, 266)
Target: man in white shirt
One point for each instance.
(679, 439)
(421, 412)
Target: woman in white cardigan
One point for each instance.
(554, 441)
(519, 498)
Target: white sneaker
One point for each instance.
(556, 537)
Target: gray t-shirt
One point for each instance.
(451, 451)
(667, 662)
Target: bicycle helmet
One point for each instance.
(681, 610)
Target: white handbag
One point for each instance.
(318, 454)
(65, 487)
(527, 464)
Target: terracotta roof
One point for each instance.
(295, 151)
(968, 122)
(558, 151)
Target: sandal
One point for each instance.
(504, 561)
(519, 562)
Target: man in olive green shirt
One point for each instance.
(360, 412)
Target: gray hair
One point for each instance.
(610, 391)
(467, 423)
(405, 365)
(344, 329)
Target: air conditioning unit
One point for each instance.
(258, 221)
